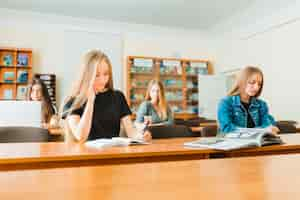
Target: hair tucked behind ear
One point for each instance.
(80, 87)
(242, 78)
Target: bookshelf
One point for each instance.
(15, 71)
(50, 81)
(179, 76)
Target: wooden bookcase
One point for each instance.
(15, 73)
(179, 76)
(50, 82)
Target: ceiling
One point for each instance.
(185, 14)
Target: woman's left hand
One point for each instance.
(147, 136)
(274, 129)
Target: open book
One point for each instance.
(114, 142)
(241, 138)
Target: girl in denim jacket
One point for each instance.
(242, 108)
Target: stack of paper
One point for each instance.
(114, 142)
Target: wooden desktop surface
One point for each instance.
(59, 154)
(15, 156)
(267, 178)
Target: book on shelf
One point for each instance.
(174, 96)
(22, 76)
(192, 109)
(22, 59)
(8, 76)
(170, 67)
(8, 60)
(136, 97)
(192, 84)
(197, 68)
(171, 63)
(114, 142)
(141, 65)
(176, 108)
(142, 62)
(7, 94)
(172, 83)
(21, 92)
(193, 97)
(140, 83)
(241, 138)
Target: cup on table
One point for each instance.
(147, 119)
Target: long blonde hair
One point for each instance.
(89, 67)
(242, 78)
(162, 105)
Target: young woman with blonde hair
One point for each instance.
(155, 107)
(242, 108)
(94, 109)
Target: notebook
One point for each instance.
(20, 113)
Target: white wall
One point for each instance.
(267, 39)
(271, 42)
(45, 35)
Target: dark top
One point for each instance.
(110, 106)
(250, 122)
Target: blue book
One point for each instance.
(8, 94)
(22, 59)
(8, 77)
(22, 76)
(8, 60)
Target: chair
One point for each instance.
(286, 126)
(23, 134)
(193, 121)
(179, 121)
(209, 131)
(170, 131)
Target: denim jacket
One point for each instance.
(233, 115)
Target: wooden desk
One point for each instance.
(56, 131)
(268, 177)
(298, 128)
(48, 155)
(57, 154)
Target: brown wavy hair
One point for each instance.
(47, 106)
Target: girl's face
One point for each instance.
(253, 85)
(102, 76)
(154, 92)
(36, 92)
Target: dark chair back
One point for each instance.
(23, 134)
(209, 131)
(194, 121)
(170, 131)
(286, 126)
